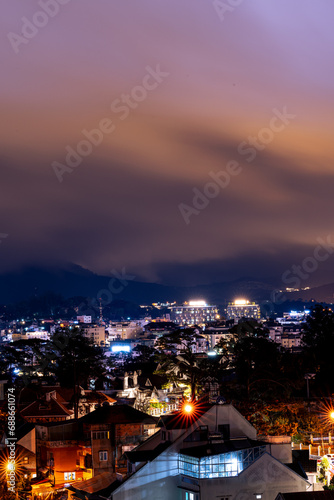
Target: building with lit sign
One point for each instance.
(196, 312)
(242, 308)
(120, 347)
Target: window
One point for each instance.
(190, 495)
(101, 435)
(103, 456)
(223, 465)
(25, 460)
(69, 476)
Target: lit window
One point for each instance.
(222, 465)
(103, 456)
(101, 435)
(69, 476)
(189, 495)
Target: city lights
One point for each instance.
(120, 348)
(212, 353)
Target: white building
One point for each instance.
(123, 330)
(84, 319)
(215, 334)
(31, 334)
(288, 335)
(215, 455)
(196, 312)
(242, 308)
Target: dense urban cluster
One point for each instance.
(196, 394)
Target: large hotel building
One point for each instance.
(195, 312)
(242, 308)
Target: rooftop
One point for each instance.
(209, 449)
(118, 414)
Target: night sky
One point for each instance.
(223, 78)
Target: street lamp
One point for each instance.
(10, 466)
(188, 408)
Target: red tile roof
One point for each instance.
(42, 409)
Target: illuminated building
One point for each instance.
(121, 347)
(209, 452)
(123, 330)
(196, 312)
(242, 308)
(63, 453)
(77, 450)
(215, 334)
(114, 430)
(151, 393)
(95, 333)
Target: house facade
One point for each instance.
(213, 454)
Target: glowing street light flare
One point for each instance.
(188, 408)
(326, 414)
(10, 466)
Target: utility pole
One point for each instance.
(101, 316)
(307, 377)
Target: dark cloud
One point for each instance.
(120, 206)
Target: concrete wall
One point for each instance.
(227, 414)
(157, 480)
